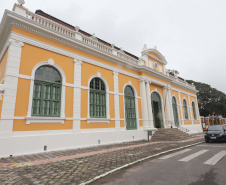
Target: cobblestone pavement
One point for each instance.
(81, 169)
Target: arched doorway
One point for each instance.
(157, 110)
(175, 112)
(130, 111)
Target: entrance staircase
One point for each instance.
(169, 134)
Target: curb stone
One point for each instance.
(130, 164)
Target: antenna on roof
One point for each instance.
(21, 2)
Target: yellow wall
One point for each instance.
(89, 70)
(22, 98)
(53, 43)
(154, 55)
(173, 86)
(123, 80)
(69, 102)
(153, 87)
(31, 56)
(3, 65)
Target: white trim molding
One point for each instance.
(163, 110)
(136, 103)
(30, 120)
(98, 75)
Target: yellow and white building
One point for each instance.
(63, 88)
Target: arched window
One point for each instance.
(194, 111)
(185, 109)
(175, 112)
(97, 97)
(47, 92)
(130, 110)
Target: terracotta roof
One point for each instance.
(40, 12)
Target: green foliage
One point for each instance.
(210, 99)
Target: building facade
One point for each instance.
(63, 88)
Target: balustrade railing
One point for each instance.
(50, 24)
(213, 121)
(72, 34)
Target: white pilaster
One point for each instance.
(150, 115)
(144, 104)
(198, 115)
(167, 107)
(181, 111)
(10, 83)
(190, 108)
(77, 95)
(116, 100)
(171, 105)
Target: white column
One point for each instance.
(144, 104)
(181, 104)
(197, 106)
(149, 106)
(77, 95)
(167, 106)
(116, 100)
(171, 106)
(190, 108)
(10, 83)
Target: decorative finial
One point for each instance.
(21, 2)
(77, 28)
(145, 47)
(94, 37)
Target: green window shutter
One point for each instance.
(97, 103)
(185, 109)
(47, 92)
(130, 110)
(175, 111)
(194, 111)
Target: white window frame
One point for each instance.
(136, 103)
(187, 120)
(99, 120)
(163, 115)
(39, 119)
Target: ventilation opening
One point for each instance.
(45, 148)
(10, 155)
(98, 141)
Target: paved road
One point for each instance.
(203, 164)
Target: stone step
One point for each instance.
(169, 134)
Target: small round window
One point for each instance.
(156, 65)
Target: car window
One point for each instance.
(215, 128)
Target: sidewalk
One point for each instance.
(80, 165)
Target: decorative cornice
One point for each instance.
(115, 73)
(11, 19)
(163, 60)
(15, 43)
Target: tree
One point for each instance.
(209, 99)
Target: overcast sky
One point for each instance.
(191, 34)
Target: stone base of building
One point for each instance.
(22, 143)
